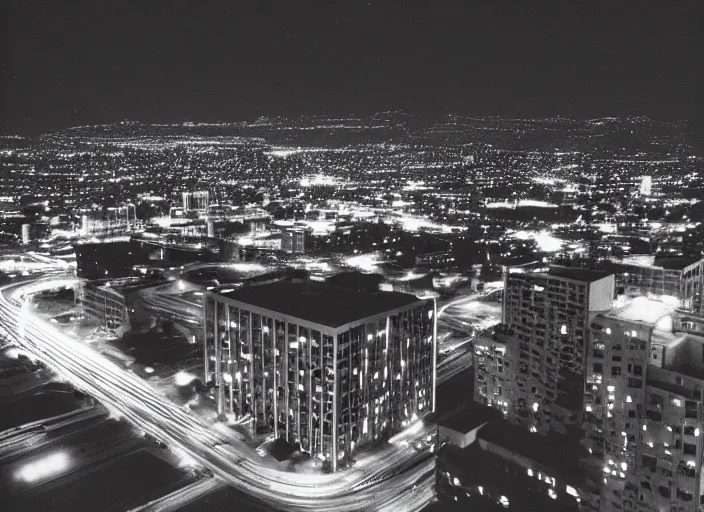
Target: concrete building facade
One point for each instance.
(491, 386)
(546, 314)
(327, 367)
(643, 411)
(104, 305)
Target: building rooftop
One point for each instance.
(642, 309)
(320, 303)
(356, 280)
(653, 261)
(577, 274)
(676, 263)
(471, 417)
(553, 451)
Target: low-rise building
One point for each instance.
(485, 463)
(677, 280)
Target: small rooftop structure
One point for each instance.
(472, 416)
(642, 310)
(577, 274)
(321, 303)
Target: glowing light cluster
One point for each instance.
(184, 378)
(43, 468)
(364, 262)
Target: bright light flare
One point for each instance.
(184, 378)
(364, 262)
(43, 468)
(12, 353)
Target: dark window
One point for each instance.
(615, 370)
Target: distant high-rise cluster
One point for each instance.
(646, 185)
(198, 200)
(293, 241)
(327, 367)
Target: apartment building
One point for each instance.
(327, 367)
(546, 315)
(491, 385)
(643, 410)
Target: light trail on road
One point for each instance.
(233, 462)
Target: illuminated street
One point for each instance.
(230, 460)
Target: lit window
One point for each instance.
(563, 329)
(677, 402)
(610, 388)
(608, 330)
(629, 399)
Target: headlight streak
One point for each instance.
(230, 460)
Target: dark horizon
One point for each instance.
(74, 64)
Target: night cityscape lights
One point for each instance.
(355, 257)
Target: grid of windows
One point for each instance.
(329, 389)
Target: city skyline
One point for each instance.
(394, 256)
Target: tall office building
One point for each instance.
(26, 234)
(643, 411)
(646, 185)
(327, 367)
(198, 200)
(546, 315)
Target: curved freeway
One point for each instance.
(231, 461)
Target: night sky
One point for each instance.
(73, 62)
